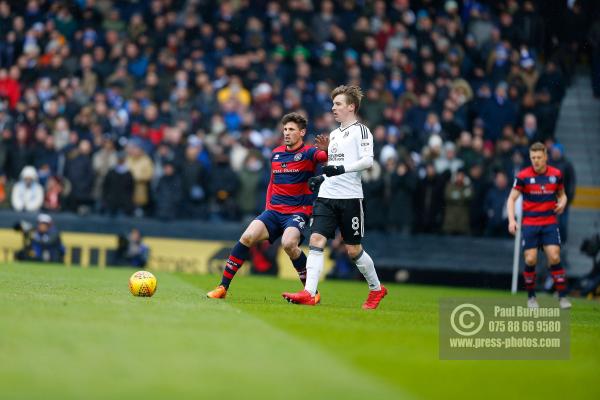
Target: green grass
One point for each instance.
(73, 333)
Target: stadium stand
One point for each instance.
(452, 88)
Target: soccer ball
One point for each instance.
(142, 284)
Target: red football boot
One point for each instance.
(375, 296)
(304, 297)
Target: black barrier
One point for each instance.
(183, 229)
(420, 258)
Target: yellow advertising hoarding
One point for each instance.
(166, 254)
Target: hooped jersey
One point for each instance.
(539, 194)
(288, 190)
(346, 146)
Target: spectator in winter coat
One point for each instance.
(117, 188)
(103, 161)
(169, 193)
(497, 112)
(458, 196)
(477, 212)
(53, 199)
(401, 182)
(224, 186)
(429, 201)
(195, 186)
(448, 162)
(80, 173)
(10, 87)
(552, 81)
(495, 206)
(27, 194)
(141, 168)
(250, 179)
(417, 115)
(19, 153)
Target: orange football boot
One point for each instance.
(218, 293)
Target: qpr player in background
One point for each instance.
(339, 201)
(543, 199)
(289, 202)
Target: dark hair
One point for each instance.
(296, 118)
(538, 146)
(352, 93)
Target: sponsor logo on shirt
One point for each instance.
(542, 191)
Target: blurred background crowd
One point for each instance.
(170, 108)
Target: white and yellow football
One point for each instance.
(142, 284)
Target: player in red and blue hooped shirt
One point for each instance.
(543, 199)
(289, 201)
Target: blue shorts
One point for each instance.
(277, 222)
(537, 236)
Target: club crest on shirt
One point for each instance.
(552, 179)
(531, 180)
(298, 157)
(334, 148)
(346, 134)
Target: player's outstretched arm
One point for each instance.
(361, 164)
(510, 208)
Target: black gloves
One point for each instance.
(315, 182)
(328, 170)
(333, 170)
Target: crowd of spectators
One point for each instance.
(170, 108)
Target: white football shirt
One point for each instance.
(347, 146)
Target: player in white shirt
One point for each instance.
(340, 196)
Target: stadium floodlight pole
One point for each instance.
(516, 253)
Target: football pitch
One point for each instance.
(71, 333)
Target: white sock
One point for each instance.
(314, 266)
(365, 265)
